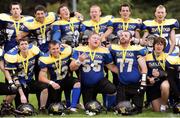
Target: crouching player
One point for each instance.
(56, 63)
(90, 61)
(19, 64)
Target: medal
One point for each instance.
(26, 77)
(92, 56)
(92, 64)
(25, 63)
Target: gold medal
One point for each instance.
(92, 56)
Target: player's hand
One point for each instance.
(151, 80)
(13, 87)
(55, 85)
(142, 87)
(23, 99)
(82, 57)
(155, 73)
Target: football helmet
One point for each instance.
(124, 108)
(57, 109)
(26, 109)
(176, 108)
(93, 108)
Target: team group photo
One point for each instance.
(58, 60)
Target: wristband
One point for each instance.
(51, 82)
(10, 81)
(78, 62)
(143, 77)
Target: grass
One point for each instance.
(146, 112)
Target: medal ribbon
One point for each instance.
(43, 31)
(125, 27)
(160, 28)
(71, 25)
(96, 28)
(25, 65)
(92, 56)
(162, 64)
(58, 65)
(17, 26)
(124, 52)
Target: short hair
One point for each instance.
(128, 32)
(93, 33)
(61, 6)
(161, 7)
(125, 5)
(53, 42)
(40, 8)
(158, 40)
(23, 39)
(15, 3)
(95, 5)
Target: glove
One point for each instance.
(141, 89)
(12, 87)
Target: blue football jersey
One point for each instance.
(162, 29)
(64, 27)
(131, 25)
(129, 72)
(12, 29)
(41, 31)
(13, 60)
(55, 65)
(98, 27)
(92, 71)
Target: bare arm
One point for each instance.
(106, 34)
(21, 35)
(75, 64)
(43, 78)
(172, 41)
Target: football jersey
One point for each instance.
(12, 28)
(131, 25)
(64, 27)
(126, 61)
(41, 31)
(57, 68)
(14, 61)
(164, 59)
(98, 27)
(92, 69)
(162, 29)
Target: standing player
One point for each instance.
(19, 63)
(97, 23)
(13, 24)
(161, 27)
(66, 26)
(56, 63)
(132, 70)
(90, 61)
(40, 27)
(125, 23)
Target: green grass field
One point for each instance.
(146, 112)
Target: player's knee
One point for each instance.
(77, 85)
(44, 91)
(165, 86)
